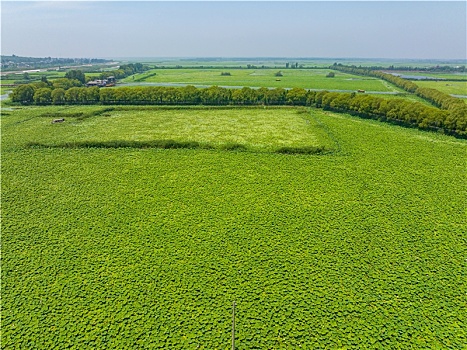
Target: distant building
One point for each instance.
(110, 81)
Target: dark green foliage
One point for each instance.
(76, 74)
(78, 115)
(301, 150)
(65, 84)
(23, 94)
(233, 147)
(171, 144)
(43, 96)
(144, 77)
(126, 70)
(163, 144)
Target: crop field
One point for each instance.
(118, 248)
(254, 129)
(304, 78)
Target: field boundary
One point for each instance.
(172, 144)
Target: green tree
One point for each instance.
(72, 95)
(65, 83)
(76, 74)
(43, 96)
(92, 94)
(23, 94)
(58, 96)
(297, 97)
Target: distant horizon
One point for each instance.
(408, 30)
(240, 58)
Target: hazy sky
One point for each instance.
(372, 29)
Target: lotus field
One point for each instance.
(112, 240)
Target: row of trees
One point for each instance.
(456, 107)
(125, 70)
(437, 68)
(438, 98)
(394, 110)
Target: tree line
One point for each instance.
(452, 121)
(125, 70)
(436, 97)
(456, 107)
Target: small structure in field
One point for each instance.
(110, 81)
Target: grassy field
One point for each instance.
(436, 74)
(405, 96)
(304, 78)
(125, 248)
(451, 87)
(254, 129)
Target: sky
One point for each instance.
(337, 29)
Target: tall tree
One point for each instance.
(76, 74)
(23, 94)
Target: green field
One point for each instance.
(448, 87)
(281, 62)
(4, 90)
(255, 129)
(123, 248)
(436, 74)
(405, 96)
(304, 78)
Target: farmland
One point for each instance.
(362, 247)
(254, 129)
(448, 87)
(304, 78)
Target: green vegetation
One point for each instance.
(138, 226)
(253, 129)
(130, 248)
(456, 107)
(14, 62)
(448, 87)
(125, 70)
(437, 75)
(405, 112)
(76, 74)
(303, 78)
